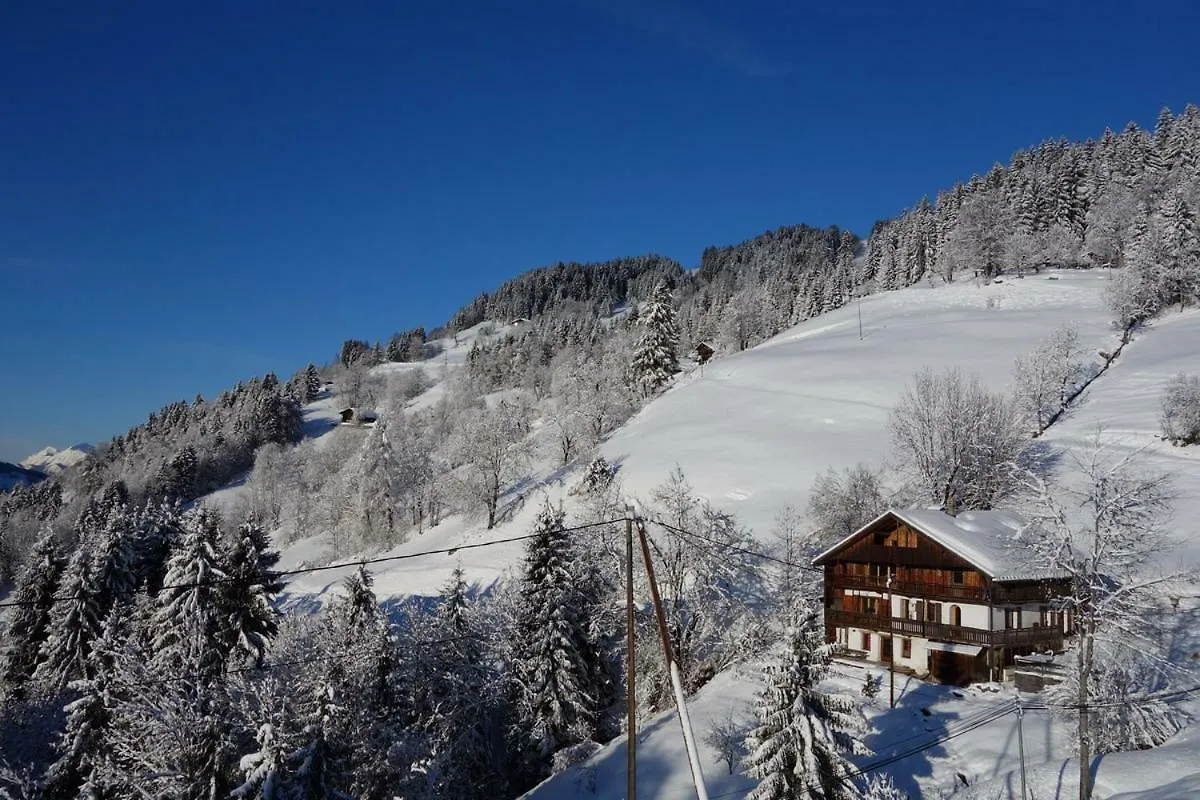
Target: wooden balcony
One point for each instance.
(918, 589)
(1049, 638)
(1001, 593)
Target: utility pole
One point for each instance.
(892, 633)
(630, 668)
(689, 739)
(1021, 744)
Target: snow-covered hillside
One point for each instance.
(755, 429)
(52, 461)
(753, 432)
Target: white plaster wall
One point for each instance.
(973, 615)
(918, 662)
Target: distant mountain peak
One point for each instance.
(51, 460)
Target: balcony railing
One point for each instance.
(1001, 593)
(1049, 638)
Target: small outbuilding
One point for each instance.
(358, 416)
(703, 352)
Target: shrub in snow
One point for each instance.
(575, 754)
(1181, 410)
(597, 476)
(870, 686)
(881, 787)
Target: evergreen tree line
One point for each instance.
(1126, 201)
(182, 452)
(160, 641)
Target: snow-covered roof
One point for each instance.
(987, 539)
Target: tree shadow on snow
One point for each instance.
(900, 732)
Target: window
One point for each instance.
(904, 609)
(920, 609)
(958, 577)
(870, 605)
(880, 570)
(1047, 618)
(933, 612)
(906, 648)
(956, 616)
(867, 642)
(1012, 618)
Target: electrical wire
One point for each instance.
(341, 565)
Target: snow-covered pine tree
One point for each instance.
(655, 358)
(458, 711)
(75, 625)
(77, 772)
(266, 770)
(798, 749)
(364, 718)
(250, 619)
(320, 763)
(114, 559)
(1177, 230)
(30, 623)
(188, 628)
(170, 736)
(376, 500)
(555, 705)
(312, 383)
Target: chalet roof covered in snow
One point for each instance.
(987, 539)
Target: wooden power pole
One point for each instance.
(689, 739)
(630, 668)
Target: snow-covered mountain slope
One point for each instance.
(52, 461)
(757, 428)
(753, 432)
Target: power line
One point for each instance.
(733, 547)
(341, 565)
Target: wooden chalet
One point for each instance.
(946, 597)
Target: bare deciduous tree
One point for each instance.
(1046, 378)
(492, 449)
(956, 443)
(1103, 523)
(842, 502)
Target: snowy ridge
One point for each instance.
(52, 461)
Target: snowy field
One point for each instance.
(753, 432)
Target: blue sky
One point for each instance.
(194, 193)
